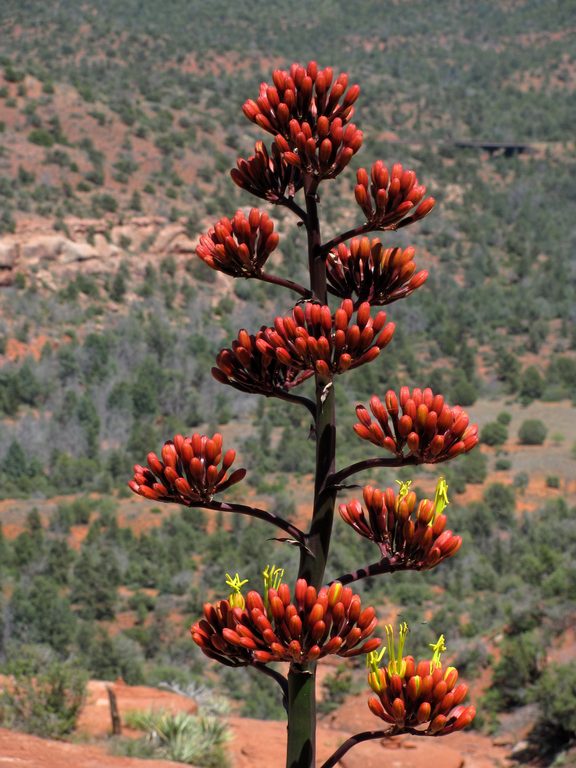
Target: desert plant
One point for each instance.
(532, 432)
(307, 110)
(192, 739)
(44, 700)
(494, 433)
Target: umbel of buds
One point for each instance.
(304, 94)
(324, 155)
(191, 470)
(412, 694)
(419, 424)
(267, 175)
(315, 340)
(409, 536)
(372, 273)
(240, 246)
(308, 113)
(246, 368)
(277, 627)
(391, 199)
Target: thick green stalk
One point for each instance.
(302, 679)
(313, 561)
(301, 716)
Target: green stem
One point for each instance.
(302, 679)
(313, 561)
(301, 717)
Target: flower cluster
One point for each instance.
(410, 694)
(304, 94)
(275, 628)
(420, 422)
(391, 199)
(308, 113)
(314, 339)
(326, 154)
(267, 175)
(241, 246)
(244, 367)
(406, 540)
(191, 471)
(373, 273)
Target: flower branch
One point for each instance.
(357, 739)
(288, 202)
(259, 514)
(285, 283)
(374, 569)
(278, 677)
(369, 736)
(378, 462)
(361, 229)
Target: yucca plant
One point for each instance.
(192, 739)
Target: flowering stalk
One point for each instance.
(308, 111)
(302, 678)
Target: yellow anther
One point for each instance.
(374, 658)
(403, 492)
(376, 677)
(272, 579)
(438, 649)
(396, 665)
(236, 598)
(441, 499)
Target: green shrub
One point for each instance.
(474, 467)
(555, 694)
(553, 481)
(493, 433)
(104, 203)
(532, 432)
(531, 385)
(190, 739)
(516, 671)
(47, 702)
(41, 137)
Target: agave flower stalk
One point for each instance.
(308, 110)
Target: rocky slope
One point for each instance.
(96, 246)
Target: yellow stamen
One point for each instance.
(236, 598)
(396, 665)
(403, 492)
(441, 499)
(272, 579)
(376, 679)
(374, 658)
(438, 649)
